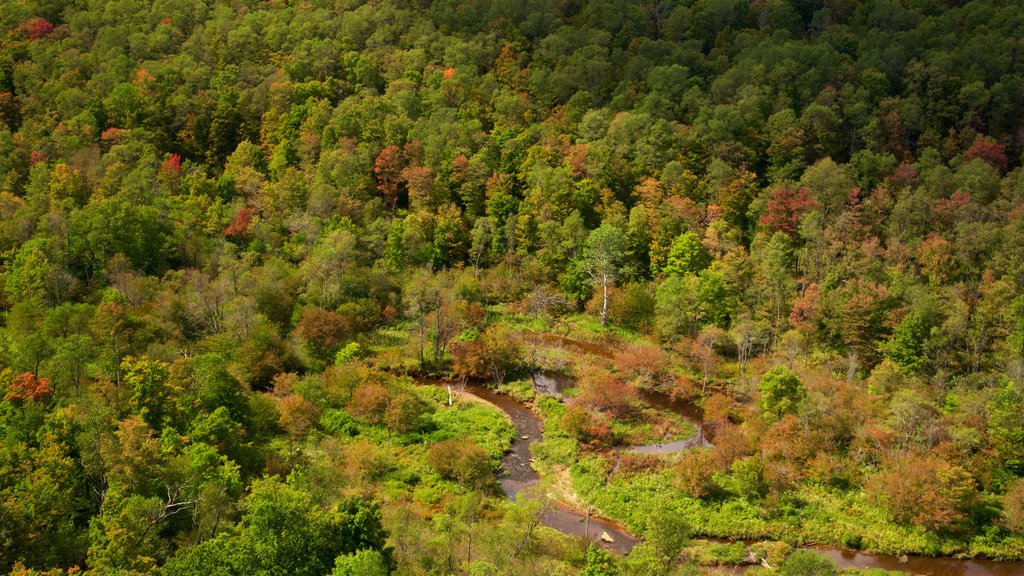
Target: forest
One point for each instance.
(282, 282)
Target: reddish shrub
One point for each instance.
(323, 332)
(600, 389)
(461, 460)
(35, 157)
(369, 402)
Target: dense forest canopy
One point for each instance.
(230, 231)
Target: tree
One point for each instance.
(366, 562)
(666, 534)
(326, 266)
(677, 306)
(774, 277)
(285, 532)
(1004, 427)
(784, 209)
(601, 389)
(1013, 507)
(322, 332)
(924, 490)
(602, 261)
(149, 395)
(27, 387)
(687, 255)
(906, 347)
(781, 392)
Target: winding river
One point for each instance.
(518, 475)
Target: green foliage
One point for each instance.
(807, 563)
(283, 531)
(906, 347)
(687, 256)
(598, 562)
(219, 223)
(781, 392)
(365, 562)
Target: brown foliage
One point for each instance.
(492, 355)
(784, 209)
(240, 225)
(923, 489)
(586, 426)
(988, 150)
(718, 410)
(731, 444)
(1013, 507)
(323, 330)
(369, 402)
(805, 308)
(387, 168)
(631, 464)
(461, 460)
(298, 415)
(645, 362)
(693, 473)
(424, 193)
(601, 389)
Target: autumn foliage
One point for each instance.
(601, 389)
(240, 224)
(27, 387)
(36, 28)
(461, 460)
(923, 489)
(992, 152)
(784, 209)
(387, 169)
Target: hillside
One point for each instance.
(252, 253)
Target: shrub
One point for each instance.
(462, 461)
(807, 563)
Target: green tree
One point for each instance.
(361, 563)
(285, 532)
(687, 255)
(906, 347)
(781, 392)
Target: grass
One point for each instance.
(822, 517)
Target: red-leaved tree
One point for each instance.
(36, 28)
(785, 208)
(988, 150)
(387, 168)
(27, 387)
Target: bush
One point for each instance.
(369, 402)
(406, 413)
(807, 563)
(462, 461)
